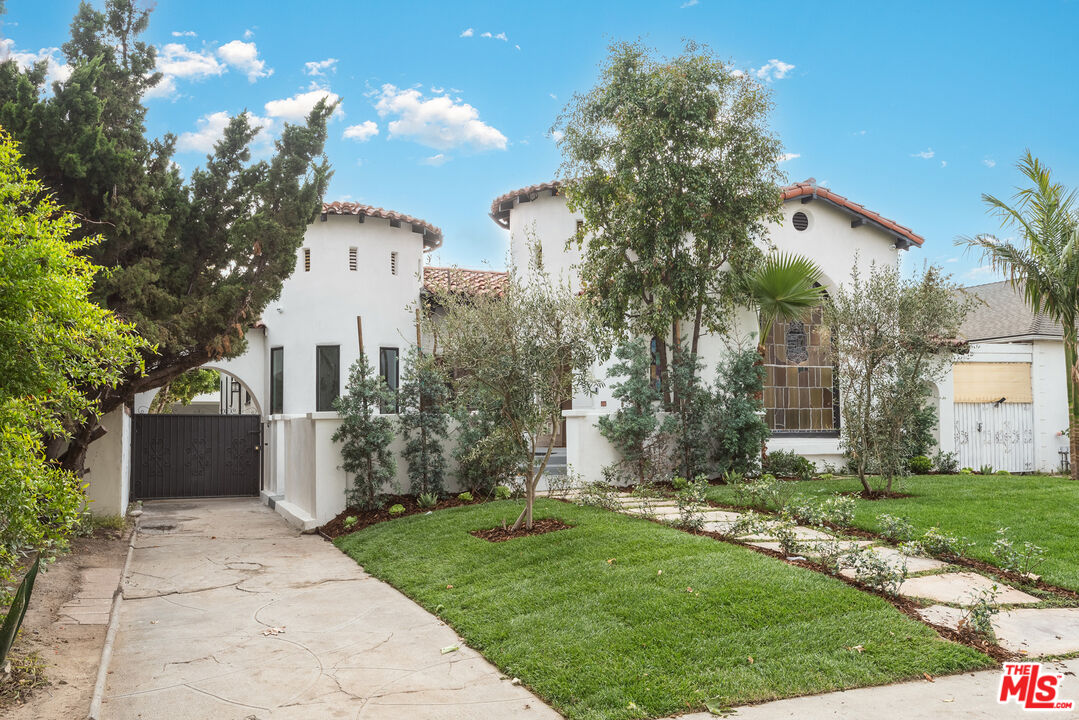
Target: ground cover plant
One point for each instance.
(618, 617)
(1035, 509)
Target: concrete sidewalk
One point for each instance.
(229, 613)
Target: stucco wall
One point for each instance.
(1049, 385)
(108, 465)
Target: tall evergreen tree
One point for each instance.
(631, 428)
(364, 435)
(192, 263)
(422, 419)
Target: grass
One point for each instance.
(600, 621)
(1037, 509)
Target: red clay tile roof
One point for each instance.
(501, 205)
(432, 235)
(809, 188)
(462, 280)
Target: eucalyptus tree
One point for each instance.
(191, 262)
(1043, 264)
(673, 166)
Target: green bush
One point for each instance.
(465, 497)
(679, 483)
(789, 464)
(1002, 472)
(896, 529)
(945, 462)
(985, 470)
(503, 493)
(396, 509)
(427, 500)
(352, 519)
(920, 465)
(966, 471)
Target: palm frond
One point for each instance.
(785, 287)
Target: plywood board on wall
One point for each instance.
(978, 382)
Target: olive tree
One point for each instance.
(531, 348)
(893, 338)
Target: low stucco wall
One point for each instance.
(303, 475)
(108, 465)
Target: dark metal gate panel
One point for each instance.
(176, 456)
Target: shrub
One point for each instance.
(920, 465)
(397, 509)
(985, 470)
(937, 542)
(827, 476)
(422, 421)
(770, 492)
(966, 471)
(830, 554)
(690, 502)
(598, 494)
(894, 528)
(980, 612)
(365, 435)
(465, 497)
(1022, 558)
(679, 483)
(748, 523)
(945, 462)
(632, 428)
(787, 463)
(876, 572)
(837, 510)
(485, 455)
(1002, 472)
(427, 500)
(503, 493)
(738, 427)
(352, 520)
(785, 533)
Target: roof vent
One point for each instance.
(801, 221)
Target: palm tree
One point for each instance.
(785, 287)
(1043, 265)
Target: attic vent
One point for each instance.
(393, 263)
(801, 221)
(352, 259)
(307, 259)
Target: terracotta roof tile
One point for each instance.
(501, 205)
(432, 235)
(462, 280)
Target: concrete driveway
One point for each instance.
(229, 613)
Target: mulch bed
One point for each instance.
(366, 518)
(539, 527)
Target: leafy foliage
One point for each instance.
(423, 422)
(58, 351)
(632, 428)
(486, 457)
(9, 627)
(1019, 557)
(1044, 264)
(244, 220)
(529, 350)
(920, 465)
(893, 338)
(365, 435)
(185, 388)
(784, 287)
(737, 428)
(692, 406)
(673, 167)
(787, 463)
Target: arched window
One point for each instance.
(801, 389)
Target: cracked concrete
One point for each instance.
(214, 575)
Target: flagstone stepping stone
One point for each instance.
(1048, 631)
(895, 559)
(960, 589)
(942, 615)
(800, 532)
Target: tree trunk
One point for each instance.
(664, 384)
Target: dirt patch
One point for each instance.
(876, 494)
(366, 518)
(68, 653)
(539, 527)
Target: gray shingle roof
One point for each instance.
(1001, 312)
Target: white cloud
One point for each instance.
(467, 33)
(244, 57)
(184, 33)
(989, 162)
(320, 67)
(773, 70)
(486, 35)
(440, 122)
(177, 60)
(362, 132)
(437, 90)
(789, 156)
(501, 36)
(435, 160)
(924, 154)
(248, 34)
(299, 106)
(58, 70)
(210, 129)
(517, 46)
(690, 3)
(553, 96)
(736, 73)
(165, 87)
(944, 163)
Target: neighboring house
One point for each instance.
(1009, 398)
(802, 392)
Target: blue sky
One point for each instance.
(912, 109)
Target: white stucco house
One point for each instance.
(361, 272)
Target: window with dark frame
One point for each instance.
(277, 381)
(389, 369)
(327, 376)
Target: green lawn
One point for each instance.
(1042, 510)
(625, 639)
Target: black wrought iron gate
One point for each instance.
(175, 456)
